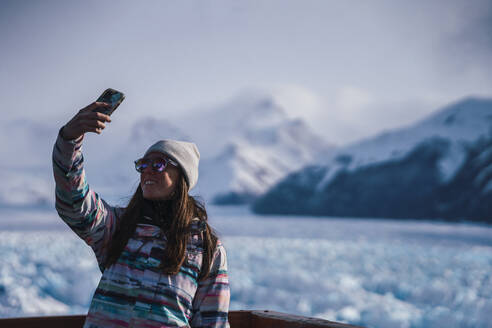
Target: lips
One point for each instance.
(149, 182)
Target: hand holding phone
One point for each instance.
(92, 118)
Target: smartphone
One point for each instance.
(112, 97)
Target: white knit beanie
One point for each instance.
(184, 153)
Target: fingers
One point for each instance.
(102, 117)
(95, 105)
(95, 130)
(94, 124)
(87, 120)
(90, 115)
(89, 125)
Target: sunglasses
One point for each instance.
(157, 164)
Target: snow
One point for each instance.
(374, 273)
(460, 124)
(449, 164)
(244, 168)
(250, 144)
(42, 276)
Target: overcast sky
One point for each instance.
(350, 68)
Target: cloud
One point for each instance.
(472, 39)
(350, 101)
(339, 65)
(354, 113)
(298, 101)
(462, 57)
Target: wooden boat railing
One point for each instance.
(237, 319)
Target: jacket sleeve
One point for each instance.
(211, 301)
(89, 216)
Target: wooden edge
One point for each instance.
(38, 322)
(240, 319)
(237, 319)
(267, 319)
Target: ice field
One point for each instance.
(374, 273)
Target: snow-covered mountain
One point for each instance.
(249, 116)
(247, 145)
(417, 171)
(460, 123)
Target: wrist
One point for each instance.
(68, 138)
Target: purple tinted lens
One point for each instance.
(141, 165)
(159, 165)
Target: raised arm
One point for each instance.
(89, 216)
(211, 301)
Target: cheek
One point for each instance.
(173, 177)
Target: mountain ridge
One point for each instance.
(375, 171)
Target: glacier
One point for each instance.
(369, 272)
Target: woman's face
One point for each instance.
(159, 185)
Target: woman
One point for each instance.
(162, 264)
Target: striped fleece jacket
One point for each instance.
(133, 292)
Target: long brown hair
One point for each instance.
(183, 208)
